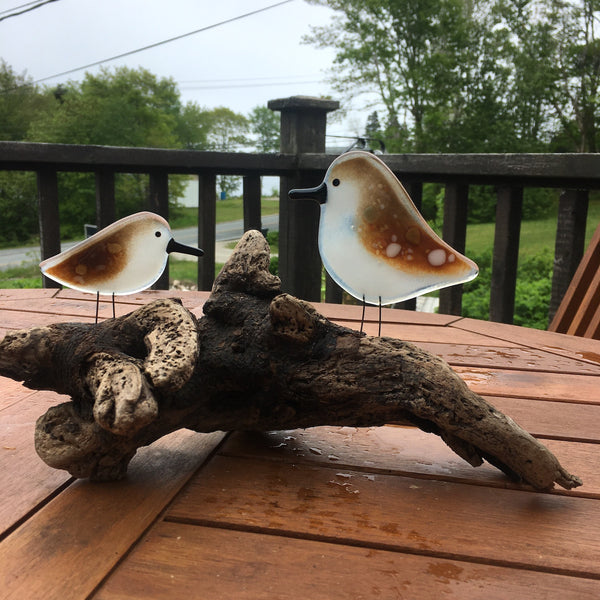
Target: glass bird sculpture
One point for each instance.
(124, 258)
(373, 241)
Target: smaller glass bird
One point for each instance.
(124, 258)
(372, 239)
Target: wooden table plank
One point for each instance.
(572, 345)
(419, 333)
(322, 512)
(514, 358)
(401, 451)
(12, 392)
(557, 420)
(176, 561)
(132, 301)
(436, 518)
(66, 549)
(560, 387)
(352, 313)
(26, 481)
(20, 295)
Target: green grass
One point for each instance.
(536, 236)
(186, 271)
(227, 210)
(28, 276)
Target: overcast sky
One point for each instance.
(239, 65)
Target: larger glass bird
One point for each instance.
(373, 241)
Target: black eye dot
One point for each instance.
(336, 182)
(157, 233)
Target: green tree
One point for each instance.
(120, 107)
(264, 125)
(414, 54)
(228, 131)
(452, 75)
(20, 101)
(373, 127)
(123, 107)
(576, 99)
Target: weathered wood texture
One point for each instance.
(506, 253)
(569, 243)
(158, 202)
(48, 217)
(65, 551)
(303, 123)
(257, 360)
(454, 233)
(207, 211)
(260, 566)
(252, 196)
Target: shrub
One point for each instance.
(532, 295)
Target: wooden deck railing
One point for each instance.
(301, 163)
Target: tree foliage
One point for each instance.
(116, 107)
(264, 125)
(471, 75)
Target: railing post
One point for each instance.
(207, 217)
(251, 191)
(506, 253)
(105, 197)
(158, 202)
(569, 244)
(49, 219)
(303, 124)
(454, 232)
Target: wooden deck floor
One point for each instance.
(384, 512)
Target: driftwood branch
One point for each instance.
(257, 360)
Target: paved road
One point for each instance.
(232, 230)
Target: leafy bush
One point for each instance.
(18, 203)
(532, 295)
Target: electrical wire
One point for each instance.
(245, 85)
(156, 44)
(7, 10)
(26, 10)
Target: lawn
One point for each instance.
(226, 210)
(536, 236)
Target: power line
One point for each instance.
(156, 44)
(209, 86)
(250, 79)
(7, 10)
(25, 10)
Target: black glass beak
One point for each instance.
(318, 193)
(174, 246)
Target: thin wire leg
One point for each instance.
(362, 319)
(97, 305)
(379, 331)
(113, 303)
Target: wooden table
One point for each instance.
(384, 512)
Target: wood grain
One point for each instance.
(402, 451)
(65, 549)
(183, 561)
(560, 387)
(25, 480)
(431, 517)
